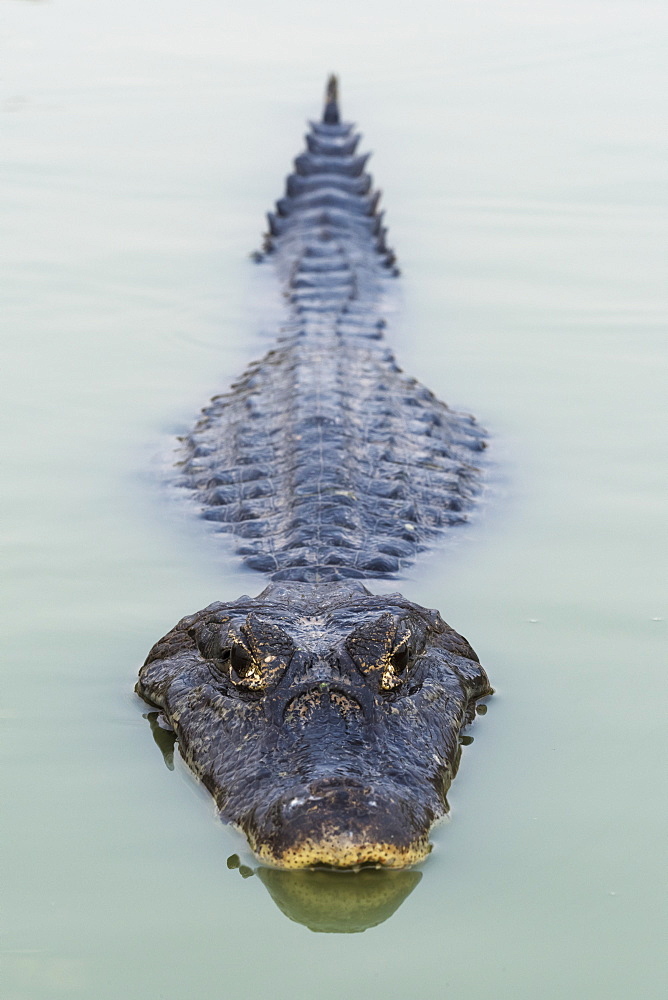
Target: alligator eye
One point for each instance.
(399, 658)
(240, 660)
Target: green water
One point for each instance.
(521, 150)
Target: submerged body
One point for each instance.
(325, 720)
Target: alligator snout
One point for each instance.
(339, 823)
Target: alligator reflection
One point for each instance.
(164, 736)
(334, 902)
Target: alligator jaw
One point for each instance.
(345, 853)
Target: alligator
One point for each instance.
(325, 720)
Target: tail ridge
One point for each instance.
(330, 114)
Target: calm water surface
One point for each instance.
(521, 150)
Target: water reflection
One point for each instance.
(164, 736)
(334, 902)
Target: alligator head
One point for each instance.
(324, 720)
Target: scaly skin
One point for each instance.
(324, 720)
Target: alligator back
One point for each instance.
(324, 459)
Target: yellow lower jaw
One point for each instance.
(339, 852)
